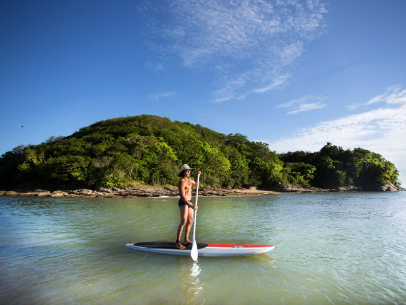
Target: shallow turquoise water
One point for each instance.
(330, 249)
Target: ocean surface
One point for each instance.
(340, 248)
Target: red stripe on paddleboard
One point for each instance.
(238, 245)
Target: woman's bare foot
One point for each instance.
(179, 246)
(188, 242)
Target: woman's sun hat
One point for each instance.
(183, 168)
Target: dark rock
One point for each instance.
(390, 188)
(83, 192)
(58, 194)
(349, 189)
(12, 193)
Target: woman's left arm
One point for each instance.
(197, 176)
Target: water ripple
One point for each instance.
(330, 248)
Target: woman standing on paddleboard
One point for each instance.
(185, 205)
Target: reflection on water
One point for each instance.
(191, 285)
(195, 271)
(330, 248)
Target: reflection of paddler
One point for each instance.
(185, 205)
(190, 284)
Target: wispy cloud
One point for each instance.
(161, 95)
(155, 67)
(303, 104)
(307, 107)
(276, 82)
(393, 95)
(380, 130)
(249, 45)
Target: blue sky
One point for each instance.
(294, 74)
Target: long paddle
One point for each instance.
(194, 253)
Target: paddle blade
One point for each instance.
(194, 253)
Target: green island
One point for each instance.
(146, 151)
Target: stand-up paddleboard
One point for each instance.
(204, 249)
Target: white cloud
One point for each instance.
(228, 91)
(155, 67)
(294, 102)
(353, 107)
(277, 82)
(161, 95)
(249, 45)
(393, 95)
(303, 104)
(376, 99)
(381, 130)
(307, 107)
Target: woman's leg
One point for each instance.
(189, 224)
(183, 220)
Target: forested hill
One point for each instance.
(146, 149)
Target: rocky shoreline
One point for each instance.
(173, 192)
(378, 188)
(129, 192)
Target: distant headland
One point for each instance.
(120, 156)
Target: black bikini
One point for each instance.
(182, 203)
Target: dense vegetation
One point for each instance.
(333, 167)
(149, 150)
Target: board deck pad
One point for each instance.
(167, 245)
